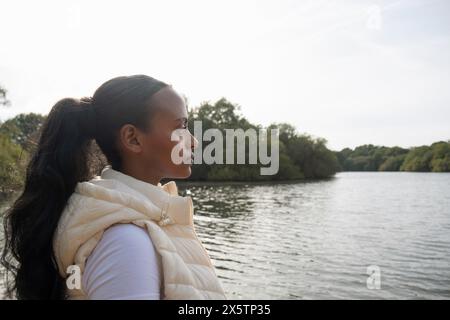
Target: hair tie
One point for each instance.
(90, 120)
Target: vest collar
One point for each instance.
(174, 208)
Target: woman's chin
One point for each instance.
(184, 172)
(188, 172)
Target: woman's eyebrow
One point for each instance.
(184, 119)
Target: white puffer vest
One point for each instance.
(113, 198)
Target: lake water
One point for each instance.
(316, 240)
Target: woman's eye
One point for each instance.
(183, 124)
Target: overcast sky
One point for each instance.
(353, 72)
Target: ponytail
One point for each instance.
(60, 161)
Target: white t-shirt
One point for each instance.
(123, 266)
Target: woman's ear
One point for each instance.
(129, 138)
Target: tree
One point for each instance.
(418, 159)
(434, 158)
(300, 156)
(370, 158)
(23, 129)
(311, 156)
(3, 99)
(441, 157)
(12, 164)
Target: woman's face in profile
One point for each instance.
(169, 113)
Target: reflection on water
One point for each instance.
(315, 240)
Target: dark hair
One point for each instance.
(60, 161)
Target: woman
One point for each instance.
(121, 235)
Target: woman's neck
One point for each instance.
(141, 173)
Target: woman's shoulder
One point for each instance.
(126, 233)
(123, 265)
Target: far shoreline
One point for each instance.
(8, 194)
